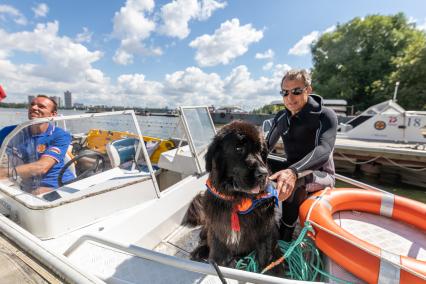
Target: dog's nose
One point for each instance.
(261, 172)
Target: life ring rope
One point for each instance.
(384, 255)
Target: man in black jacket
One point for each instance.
(308, 130)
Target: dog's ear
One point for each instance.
(212, 153)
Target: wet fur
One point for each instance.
(236, 161)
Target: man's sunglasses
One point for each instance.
(295, 91)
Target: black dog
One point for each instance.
(236, 212)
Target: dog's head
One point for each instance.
(236, 159)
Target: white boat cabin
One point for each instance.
(386, 121)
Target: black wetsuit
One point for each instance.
(308, 138)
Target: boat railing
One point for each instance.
(59, 264)
(359, 183)
(180, 263)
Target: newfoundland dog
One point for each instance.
(237, 209)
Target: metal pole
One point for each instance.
(179, 263)
(396, 91)
(359, 184)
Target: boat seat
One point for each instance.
(122, 152)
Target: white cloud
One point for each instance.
(7, 10)
(302, 47)
(122, 57)
(65, 63)
(269, 54)
(132, 25)
(279, 70)
(40, 10)
(330, 29)
(177, 14)
(268, 66)
(193, 87)
(138, 91)
(228, 42)
(68, 65)
(85, 36)
(207, 7)
(421, 25)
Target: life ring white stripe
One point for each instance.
(386, 206)
(390, 269)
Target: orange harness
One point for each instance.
(246, 205)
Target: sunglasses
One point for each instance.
(295, 91)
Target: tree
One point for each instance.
(360, 61)
(269, 109)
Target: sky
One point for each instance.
(146, 53)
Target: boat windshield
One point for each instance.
(65, 152)
(200, 130)
(52, 152)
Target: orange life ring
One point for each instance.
(354, 256)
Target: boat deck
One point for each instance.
(180, 243)
(17, 267)
(402, 152)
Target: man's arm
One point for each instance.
(286, 179)
(325, 144)
(38, 168)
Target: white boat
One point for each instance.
(386, 121)
(123, 224)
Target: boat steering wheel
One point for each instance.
(97, 166)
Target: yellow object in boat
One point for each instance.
(97, 140)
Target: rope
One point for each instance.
(405, 168)
(358, 163)
(302, 257)
(378, 157)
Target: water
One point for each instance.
(165, 127)
(410, 191)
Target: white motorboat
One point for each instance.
(121, 222)
(386, 121)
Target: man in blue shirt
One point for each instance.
(40, 150)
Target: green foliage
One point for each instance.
(360, 61)
(268, 109)
(14, 105)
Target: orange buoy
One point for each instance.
(365, 260)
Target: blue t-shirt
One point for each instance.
(53, 143)
(5, 131)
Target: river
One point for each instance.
(9, 116)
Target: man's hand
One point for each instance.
(286, 180)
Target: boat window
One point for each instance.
(200, 130)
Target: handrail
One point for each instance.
(176, 262)
(57, 263)
(359, 183)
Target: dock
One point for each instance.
(17, 267)
(405, 162)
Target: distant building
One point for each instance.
(79, 105)
(30, 99)
(68, 99)
(57, 99)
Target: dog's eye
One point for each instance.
(239, 149)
